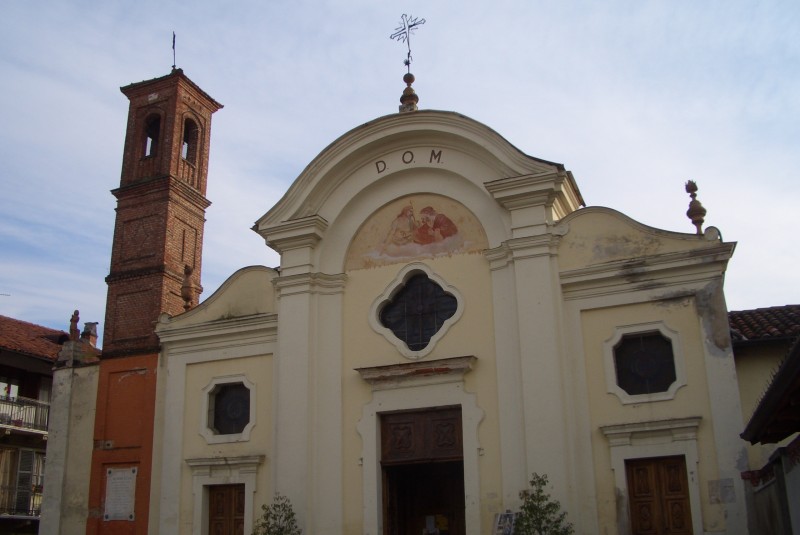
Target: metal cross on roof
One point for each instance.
(403, 34)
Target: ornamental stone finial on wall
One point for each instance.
(696, 212)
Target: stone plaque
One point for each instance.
(120, 493)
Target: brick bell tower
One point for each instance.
(155, 268)
(158, 237)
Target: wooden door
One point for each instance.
(424, 498)
(423, 472)
(226, 510)
(659, 496)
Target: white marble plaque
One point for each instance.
(120, 493)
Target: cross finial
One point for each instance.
(402, 33)
(409, 99)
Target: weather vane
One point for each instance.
(403, 34)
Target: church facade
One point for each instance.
(447, 319)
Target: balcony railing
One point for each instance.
(24, 413)
(22, 500)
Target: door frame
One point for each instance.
(207, 472)
(663, 438)
(443, 391)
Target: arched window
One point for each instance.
(152, 129)
(189, 146)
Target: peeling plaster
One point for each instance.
(624, 246)
(742, 460)
(680, 298)
(122, 376)
(710, 304)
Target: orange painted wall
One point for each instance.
(123, 437)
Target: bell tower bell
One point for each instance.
(161, 205)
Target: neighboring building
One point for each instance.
(761, 341)
(27, 355)
(767, 351)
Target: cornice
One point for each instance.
(161, 184)
(678, 428)
(245, 460)
(295, 233)
(417, 373)
(320, 283)
(648, 272)
(266, 323)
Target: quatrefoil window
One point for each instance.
(416, 311)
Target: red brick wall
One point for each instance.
(160, 213)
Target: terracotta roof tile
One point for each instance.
(29, 338)
(765, 323)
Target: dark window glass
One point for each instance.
(644, 363)
(417, 312)
(231, 408)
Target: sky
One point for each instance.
(635, 97)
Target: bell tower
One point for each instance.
(155, 268)
(161, 203)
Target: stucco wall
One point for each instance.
(471, 335)
(70, 443)
(606, 409)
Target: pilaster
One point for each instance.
(308, 396)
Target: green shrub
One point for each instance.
(539, 514)
(278, 518)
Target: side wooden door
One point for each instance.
(226, 510)
(659, 496)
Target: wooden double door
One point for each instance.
(423, 472)
(226, 510)
(659, 496)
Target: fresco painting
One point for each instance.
(413, 227)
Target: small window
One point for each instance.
(418, 311)
(229, 408)
(189, 146)
(152, 130)
(644, 363)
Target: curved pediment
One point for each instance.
(599, 235)
(248, 292)
(393, 144)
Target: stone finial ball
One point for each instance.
(408, 78)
